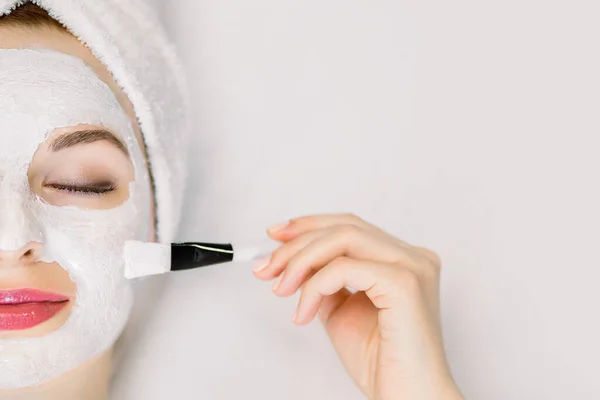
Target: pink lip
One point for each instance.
(26, 308)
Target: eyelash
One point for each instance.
(83, 190)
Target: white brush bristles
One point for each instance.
(143, 259)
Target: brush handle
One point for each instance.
(256, 251)
(190, 255)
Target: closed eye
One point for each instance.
(83, 190)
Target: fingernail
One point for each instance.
(278, 227)
(261, 264)
(278, 281)
(295, 316)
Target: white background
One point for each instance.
(470, 127)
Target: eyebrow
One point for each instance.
(86, 136)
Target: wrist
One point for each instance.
(451, 392)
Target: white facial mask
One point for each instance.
(40, 91)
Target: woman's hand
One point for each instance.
(388, 333)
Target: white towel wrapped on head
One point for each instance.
(127, 37)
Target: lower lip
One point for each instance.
(15, 317)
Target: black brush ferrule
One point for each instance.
(190, 255)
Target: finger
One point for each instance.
(297, 226)
(280, 257)
(385, 285)
(330, 304)
(346, 240)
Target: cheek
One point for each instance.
(85, 240)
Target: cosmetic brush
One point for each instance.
(143, 259)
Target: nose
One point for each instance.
(20, 237)
(21, 257)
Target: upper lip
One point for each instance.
(22, 296)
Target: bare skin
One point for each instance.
(388, 332)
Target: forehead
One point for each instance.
(44, 89)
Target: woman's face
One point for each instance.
(84, 166)
(73, 189)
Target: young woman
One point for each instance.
(85, 133)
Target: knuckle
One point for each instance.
(351, 216)
(430, 254)
(409, 283)
(429, 273)
(350, 231)
(432, 264)
(309, 220)
(339, 262)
